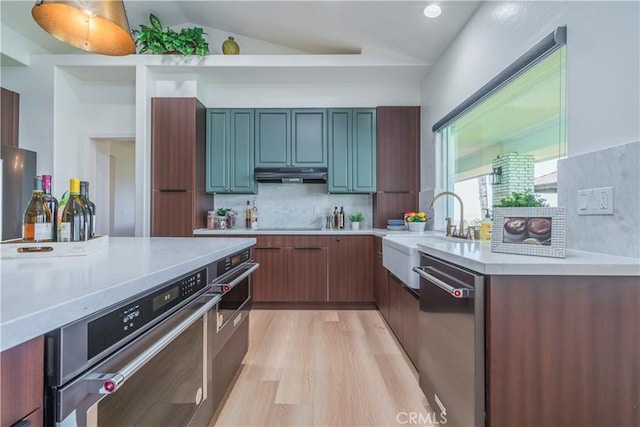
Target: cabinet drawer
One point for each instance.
(271, 241)
(307, 241)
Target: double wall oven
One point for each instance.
(145, 361)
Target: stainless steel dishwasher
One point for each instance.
(452, 351)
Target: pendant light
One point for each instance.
(98, 26)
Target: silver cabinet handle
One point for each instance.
(462, 292)
(106, 383)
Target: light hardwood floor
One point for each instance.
(324, 368)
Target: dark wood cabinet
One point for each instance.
(380, 280)
(22, 383)
(404, 312)
(10, 117)
(179, 202)
(351, 272)
(563, 350)
(292, 268)
(398, 163)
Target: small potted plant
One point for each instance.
(416, 221)
(356, 218)
(155, 39)
(521, 200)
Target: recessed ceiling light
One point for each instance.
(432, 11)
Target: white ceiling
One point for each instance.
(394, 27)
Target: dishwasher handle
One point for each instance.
(456, 292)
(107, 383)
(225, 284)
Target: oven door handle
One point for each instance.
(244, 272)
(106, 383)
(461, 292)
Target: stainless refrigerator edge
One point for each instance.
(18, 170)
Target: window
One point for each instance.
(508, 141)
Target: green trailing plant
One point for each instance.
(356, 217)
(521, 200)
(155, 39)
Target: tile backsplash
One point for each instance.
(296, 205)
(617, 167)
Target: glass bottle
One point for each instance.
(336, 218)
(254, 216)
(52, 203)
(73, 226)
(341, 217)
(37, 220)
(90, 209)
(247, 216)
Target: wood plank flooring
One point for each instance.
(324, 368)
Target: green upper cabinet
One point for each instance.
(352, 150)
(286, 137)
(230, 155)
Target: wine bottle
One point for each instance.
(336, 219)
(90, 210)
(73, 223)
(247, 216)
(37, 220)
(254, 216)
(93, 213)
(341, 217)
(52, 203)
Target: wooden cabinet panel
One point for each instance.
(380, 280)
(22, 383)
(178, 155)
(392, 206)
(398, 163)
(562, 351)
(404, 312)
(173, 135)
(395, 307)
(351, 269)
(398, 144)
(10, 117)
(270, 280)
(172, 214)
(307, 274)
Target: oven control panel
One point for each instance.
(117, 324)
(229, 263)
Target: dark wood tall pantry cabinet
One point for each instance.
(179, 202)
(9, 125)
(398, 163)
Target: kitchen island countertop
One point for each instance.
(42, 294)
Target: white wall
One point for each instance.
(603, 68)
(122, 207)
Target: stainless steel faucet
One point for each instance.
(460, 231)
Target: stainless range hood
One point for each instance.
(292, 175)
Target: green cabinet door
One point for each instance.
(230, 155)
(364, 150)
(273, 137)
(339, 133)
(309, 137)
(352, 150)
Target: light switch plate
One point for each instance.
(595, 201)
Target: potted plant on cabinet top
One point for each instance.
(356, 218)
(155, 39)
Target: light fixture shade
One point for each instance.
(98, 26)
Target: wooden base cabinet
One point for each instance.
(380, 280)
(563, 351)
(22, 383)
(404, 312)
(351, 269)
(292, 268)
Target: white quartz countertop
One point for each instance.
(477, 256)
(42, 294)
(295, 231)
